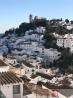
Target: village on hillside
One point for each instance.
(36, 59)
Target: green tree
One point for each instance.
(61, 30)
(66, 59)
(67, 21)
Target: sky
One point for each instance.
(14, 12)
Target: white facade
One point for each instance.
(66, 41)
(51, 53)
(1, 57)
(12, 86)
(7, 90)
(40, 29)
(60, 42)
(11, 61)
(28, 71)
(4, 68)
(69, 27)
(32, 36)
(34, 95)
(20, 71)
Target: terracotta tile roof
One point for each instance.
(9, 77)
(38, 89)
(2, 63)
(28, 64)
(46, 76)
(26, 90)
(25, 78)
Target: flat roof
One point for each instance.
(9, 77)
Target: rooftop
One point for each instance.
(38, 89)
(26, 90)
(28, 64)
(2, 63)
(9, 77)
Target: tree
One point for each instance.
(61, 30)
(66, 59)
(50, 40)
(10, 31)
(4, 55)
(71, 21)
(67, 21)
(18, 32)
(40, 22)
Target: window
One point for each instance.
(16, 89)
(58, 54)
(28, 70)
(36, 67)
(14, 62)
(25, 72)
(32, 70)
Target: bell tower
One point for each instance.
(30, 18)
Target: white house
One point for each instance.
(51, 53)
(11, 86)
(29, 69)
(66, 41)
(40, 91)
(3, 66)
(11, 60)
(60, 41)
(1, 57)
(35, 36)
(71, 96)
(40, 29)
(18, 69)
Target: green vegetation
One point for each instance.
(65, 61)
(51, 26)
(23, 27)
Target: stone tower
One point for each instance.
(30, 18)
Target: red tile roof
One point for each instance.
(9, 77)
(2, 63)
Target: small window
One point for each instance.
(32, 70)
(36, 67)
(16, 89)
(28, 70)
(14, 62)
(25, 72)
